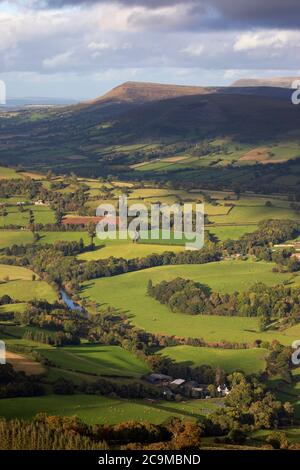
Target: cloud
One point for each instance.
(148, 39)
(248, 41)
(59, 61)
(99, 46)
(193, 50)
(211, 14)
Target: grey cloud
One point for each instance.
(206, 14)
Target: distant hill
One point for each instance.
(130, 95)
(139, 92)
(137, 122)
(281, 82)
(29, 102)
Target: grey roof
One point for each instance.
(178, 382)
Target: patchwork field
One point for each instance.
(103, 410)
(98, 360)
(42, 215)
(249, 361)
(237, 154)
(128, 292)
(252, 210)
(273, 153)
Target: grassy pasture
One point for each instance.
(15, 237)
(25, 290)
(248, 210)
(127, 292)
(8, 173)
(15, 341)
(152, 166)
(12, 308)
(104, 410)
(52, 237)
(128, 250)
(42, 215)
(98, 360)
(147, 193)
(250, 361)
(15, 273)
(78, 378)
(273, 153)
(232, 232)
(117, 248)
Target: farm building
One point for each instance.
(223, 390)
(178, 382)
(40, 203)
(158, 379)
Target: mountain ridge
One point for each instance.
(149, 91)
(279, 82)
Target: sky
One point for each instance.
(82, 48)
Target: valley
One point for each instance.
(123, 355)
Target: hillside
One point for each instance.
(139, 92)
(213, 115)
(137, 123)
(281, 82)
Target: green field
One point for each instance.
(42, 215)
(127, 292)
(249, 361)
(252, 210)
(271, 153)
(128, 250)
(28, 290)
(117, 248)
(103, 410)
(8, 173)
(232, 232)
(12, 273)
(149, 193)
(14, 237)
(52, 237)
(98, 360)
(12, 308)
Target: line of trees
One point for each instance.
(268, 303)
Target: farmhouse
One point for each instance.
(223, 390)
(40, 203)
